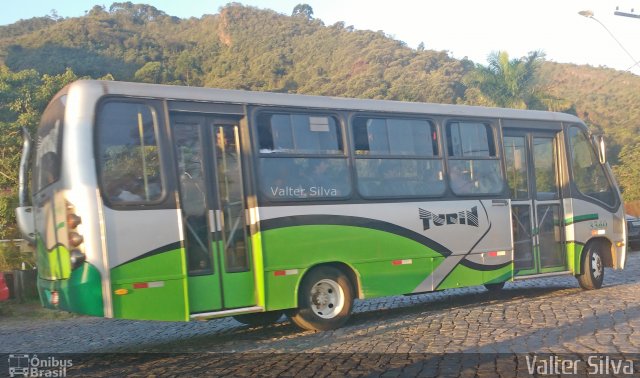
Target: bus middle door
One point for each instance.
(220, 274)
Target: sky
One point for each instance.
(465, 28)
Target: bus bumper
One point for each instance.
(81, 293)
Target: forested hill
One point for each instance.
(248, 48)
(603, 97)
(240, 47)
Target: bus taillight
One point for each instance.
(75, 239)
(73, 220)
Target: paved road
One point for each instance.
(396, 335)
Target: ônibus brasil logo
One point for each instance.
(468, 217)
(31, 366)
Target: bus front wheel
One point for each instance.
(592, 268)
(325, 299)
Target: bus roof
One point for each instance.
(199, 94)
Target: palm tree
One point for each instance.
(511, 83)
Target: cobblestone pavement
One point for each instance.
(391, 335)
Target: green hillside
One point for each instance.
(240, 47)
(248, 48)
(606, 98)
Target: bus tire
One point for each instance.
(258, 319)
(325, 300)
(592, 267)
(494, 286)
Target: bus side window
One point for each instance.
(397, 157)
(301, 157)
(473, 164)
(127, 153)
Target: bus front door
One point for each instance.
(220, 274)
(532, 174)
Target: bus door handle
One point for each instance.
(215, 220)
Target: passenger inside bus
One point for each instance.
(460, 180)
(123, 189)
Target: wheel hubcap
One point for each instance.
(327, 298)
(596, 265)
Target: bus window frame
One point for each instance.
(496, 132)
(575, 191)
(400, 116)
(35, 174)
(158, 111)
(255, 112)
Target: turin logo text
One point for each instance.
(468, 217)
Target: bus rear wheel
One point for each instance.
(592, 267)
(259, 318)
(325, 300)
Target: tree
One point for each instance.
(186, 66)
(53, 14)
(628, 171)
(151, 72)
(97, 10)
(23, 97)
(304, 10)
(507, 83)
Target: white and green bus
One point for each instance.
(176, 203)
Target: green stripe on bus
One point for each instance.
(385, 263)
(303, 246)
(369, 252)
(167, 301)
(580, 218)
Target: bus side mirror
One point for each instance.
(601, 147)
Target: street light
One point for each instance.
(589, 14)
(586, 13)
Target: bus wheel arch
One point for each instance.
(325, 297)
(609, 253)
(596, 255)
(606, 249)
(353, 276)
